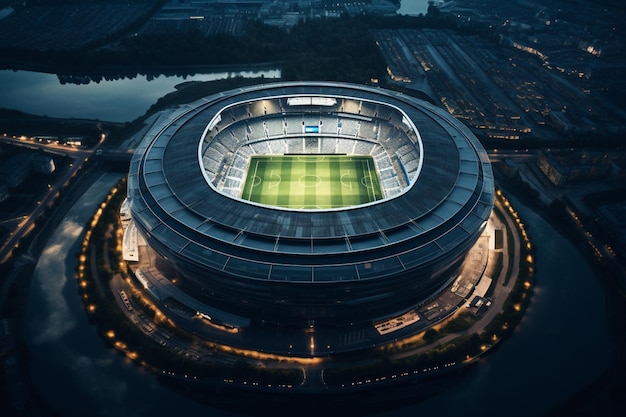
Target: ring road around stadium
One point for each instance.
(305, 218)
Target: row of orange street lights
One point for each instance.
(526, 243)
(520, 225)
(160, 317)
(484, 347)
(420, 336)
(252, 354)
(590, 238)
(82, 281)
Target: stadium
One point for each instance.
(285, 210)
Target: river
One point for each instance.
(413, 7)
(115, 100)
(560, 345)
(71, 367)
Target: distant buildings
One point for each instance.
(564, 166)
(229, 16)
(612, 220)
(19, 167)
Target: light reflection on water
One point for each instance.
(558, 347)
(119, 100)
(75, 372)
(413, 7)
(59, 319)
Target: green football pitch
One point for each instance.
(312, 181)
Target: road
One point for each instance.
(79, 155)
(313, 374)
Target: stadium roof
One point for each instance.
(447, 203)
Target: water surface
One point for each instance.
(118, 100)
(560, 345)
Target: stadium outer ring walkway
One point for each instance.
(333, 272)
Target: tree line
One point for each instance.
(341, 49)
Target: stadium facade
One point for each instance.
(267, 267)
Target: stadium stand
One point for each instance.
(348, 126)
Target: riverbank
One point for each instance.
(124, 71)
(19, 124)
(19, 395)
(458, 343)
(607, 391)
(114, 99)
(507, 373)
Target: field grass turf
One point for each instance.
(312, 181)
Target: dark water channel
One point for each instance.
(560, 345)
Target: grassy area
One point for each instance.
(312, 181)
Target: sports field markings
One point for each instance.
(291, 186)
(370, 188)
(314, 158)
(274, 183)
(254, 177)
(308, 207)
(347, 184)
(310, 184)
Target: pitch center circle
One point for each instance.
(310, 181)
